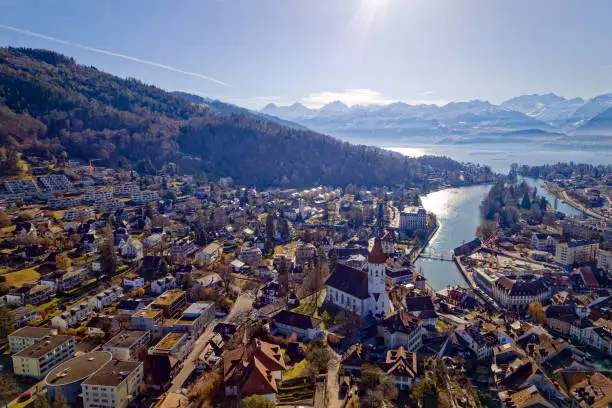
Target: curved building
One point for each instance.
(64, 381)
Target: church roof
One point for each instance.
(377, 255)
(349, 280)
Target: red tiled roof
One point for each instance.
(377, 256)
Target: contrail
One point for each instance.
(113, 54)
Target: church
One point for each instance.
(361, 291)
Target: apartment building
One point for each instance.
(98, 196)
(195, 318)
(38, 359)
(604, 260)
(128, 344)
(73, 214)
(55, 182)
(413, 218)
(143, 197)
(114, 385)
(146, 319)
(58, 203)
(27, 336)
(126, 189)
(170, 302)
(573, 253)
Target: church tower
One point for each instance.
(376, 269)
(378, 303)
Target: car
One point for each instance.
(25, 396)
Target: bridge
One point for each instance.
(438, 257)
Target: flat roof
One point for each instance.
(43, 346)
(78, 368)
(169, 341)
(197, 308)
(148, 313)
(113, 373)
(33, 332)
(168, 297)
(125, 339)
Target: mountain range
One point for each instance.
(545, 117)
(50, 106)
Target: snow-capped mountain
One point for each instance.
(549, 108)
(546, 115)
(297, 110)
(590, 109)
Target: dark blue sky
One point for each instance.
(315, 51)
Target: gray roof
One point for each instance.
(349, 280)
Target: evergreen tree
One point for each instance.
(108, 253)
(526, 202)
(269, 243)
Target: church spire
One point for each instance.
(377, 255)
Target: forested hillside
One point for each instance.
(50, 104)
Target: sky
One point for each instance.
(254, 52)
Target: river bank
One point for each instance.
(562, 195)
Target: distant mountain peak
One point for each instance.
(270, 106)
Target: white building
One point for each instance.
(126, 189)
(38, 359)
(161, 285)
(413, 218)
(576, 252)
(128, 344)
(27, 336)
(363, 292)
(55, 182)
(517, 294)
(98, 196)
(604, 260)
(64, 202)
(105, 298)
(114, 385)
(145, 197)
(72, 317)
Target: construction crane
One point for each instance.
(489, 244)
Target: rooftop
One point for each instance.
(33, 332)
(77, 368)
(168, 342)
(168, 297)
(125, 338)
(148, 313)
(45, 345)
(113, 373)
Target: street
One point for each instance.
(239, 313)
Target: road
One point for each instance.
(36, 389)
(332, 388)
(240, 312)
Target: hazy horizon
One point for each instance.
(358, 51)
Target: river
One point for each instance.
(458, 212)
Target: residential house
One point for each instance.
(305, 327)
(72, 317)
(159, 286)
(401, 328)
(255, 369)
(250, 255)
(132, 249)
(423, 308)
(30, 294)
(210, 253)
(105, 298)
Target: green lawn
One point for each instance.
(18, 278)
(296, 371)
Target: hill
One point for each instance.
(50, 104)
